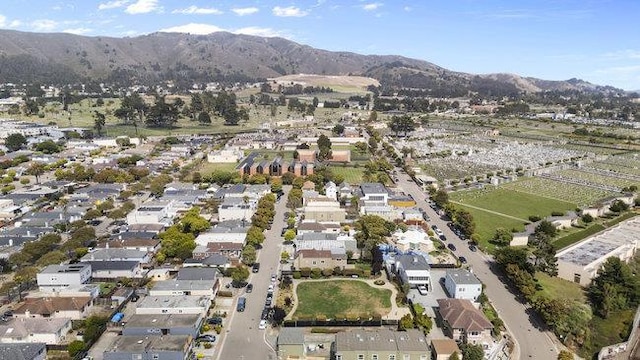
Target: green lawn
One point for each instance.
(338, 298)
(487, 223)
(512, 202)
(350, 174)
(207, 168)
(559, 288)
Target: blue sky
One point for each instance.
(595, 40)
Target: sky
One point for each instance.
(594, 40)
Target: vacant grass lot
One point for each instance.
(334, 298)
(207, 168)
(351, 175)
(511, 202)
(487, 223)
(559, 288)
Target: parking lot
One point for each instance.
(430, 301)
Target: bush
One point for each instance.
(75, 347)
(305, 272)
(327, 272)
(297, 275)
(207, 345)
(337, 271)
(316, 273)
(534, 218)
(217, 329)
(379, 282)
(557, 213)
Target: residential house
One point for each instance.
(114, 269)
(215, 260)
(23, 351)
(323, 259)
(308, 155)
(324, 209)
(381, 344)
(185, 287)
(230, 250)
(462, 284)
(98, 192)
(443, 349)
(228, 231)
(331, 190)
(163, 324)
(374, 192)
(167, 304)
(154, 212)
(142, 257)
(139, 244)
(51, 331)
(63, 277)
(580, 262)
(415, 238)
(306, 226)
(290, 343)
(75, 308)
(8, 210)
(412, 216)
(197, 274)
(145, 347)
(236, 208)
(463, 322)
(328, 241)
(229, 155)
(413, 270)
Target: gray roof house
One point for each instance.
(23, 351)
(194, 273)
(144, 347)
(163, 324)
(413, 270)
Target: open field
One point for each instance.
(559, 288)
(207, 168)
(334, 298)
(350, 174)
(337, 83)
(511, 202)
(575, 194)
(487, 223)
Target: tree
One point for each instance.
(99, 121)
(249, 254)
(618, 206)
(587, 218)
(441, 198)
(193, 223)
(454, 356)
(289, 235)
(75, 347)
(15, 142)
(464, 220)
(276, 185)
(162, 114)
(93, 327)
(176, 244)
(502, 237)
(284, 256)
(204, 118)
(615, 287)
(372, 230)
(48, 147)
(26, 274)
(52, 258)
(472, 352)
(338, 129)
(255, 236)
(83, 234)
(324, 148)
(402, 124)
(36, 169)
(239, 275)
(565, 355)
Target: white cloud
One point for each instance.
(620, 70)
(245, 11)
(205, 29)
(194, 10)
(371, 6)
(628, 54)
(4, 23)
(290, 11)
(14, 24)
(77, 31)
(113, 4)
(407, 8)
(143, 7)
(44, 25)
(193, 28)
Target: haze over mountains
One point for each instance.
(66, 58)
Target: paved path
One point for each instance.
(396, 312)
(489, 211)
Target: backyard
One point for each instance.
(342, 298)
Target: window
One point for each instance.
(338, 357)
(475, 333)
(136, 356)
(156, 356)
(360, 356)
(392, 356)
(374, 357)
(576, 278)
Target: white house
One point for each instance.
(374, 192)
(170, 304)
(50, 331)
(413, 270)
(153, 213)
(75, 308)
(230, 155)
(331, 190)
(414, 238)
(236, 208)
(462, 284)
(62, 277)
(185, 287)
(117, 254)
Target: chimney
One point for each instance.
(106, 245)
(10, 242)
(28, 232)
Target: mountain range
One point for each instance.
(65, 58)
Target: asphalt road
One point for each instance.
(244, 341)
(523, 324)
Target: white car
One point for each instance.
(270, 289)
(262, 325)
(422, 289)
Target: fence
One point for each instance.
(339, 323)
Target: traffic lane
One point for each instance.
(523, 324)
(244, 340)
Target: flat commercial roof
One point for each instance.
(163, 320)
(141, 344)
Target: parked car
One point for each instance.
(267, 302)
(249, 288)
(214, 321)
(473, 248)
(274, 278)
(135, 298)
(270, 289)
(443, 238)
(262, 325)
(255, 268)
(206, 338)
(422, 289)
(451, 247)
(463, 260)
(265, 313)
